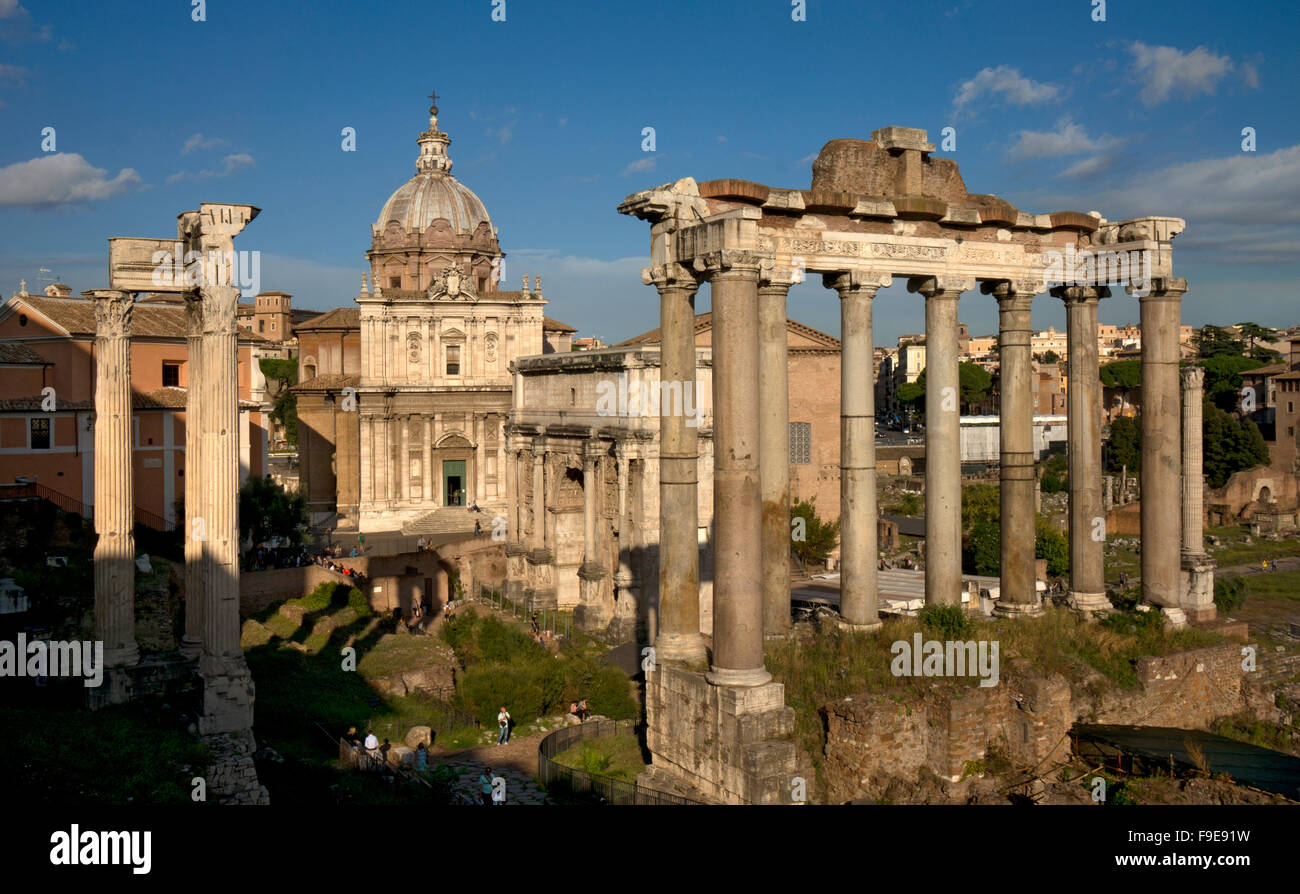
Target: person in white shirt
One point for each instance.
(503, 721)
(372, 741)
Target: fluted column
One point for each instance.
(1018, 585)
(539, 499)
(737, 503)
(228, 688)
(404, 461)
(593, 613)
(1087, 517)
(678, 639)
(774, 448)
(512, 495)
(521, 514)
(1161, 444)
(196, 493)
(942, 439)
(859, 534)
(1193, 519)
(114, 556)
(426, 461)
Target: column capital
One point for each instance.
(112, 312)
(940, 286)
(1080, 294)
(592, 450)
(1193, 377)
(220, 306)
(1012, 289)
(670, 276)
(729, 262)
(850, 282)
(539, 449)
(1161, 288)
(776, 278)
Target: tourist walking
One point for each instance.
(503, 721)
(421, 758)
(485, 787)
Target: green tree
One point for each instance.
(973, 381)
(980, 502)
(1254, 333)
(818, 537)
(1125, 447)
(1223, 379)
(267, 510)
(281, 376)
(982, 548)
(1052, 545)
(1230, 446)
(1048, 357)
(1216, 341)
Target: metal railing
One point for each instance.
(559, 779)
(549, 621)
(35, 490)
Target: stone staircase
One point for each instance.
(448, 520)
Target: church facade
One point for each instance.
(432, 377)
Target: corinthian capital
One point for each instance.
(1193, 377)
(729, 261)
(852, 282)
(1071, 294)
(948, 286)
(113, 313)
(669, 276)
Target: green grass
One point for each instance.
(1283, 583)
(618, 757)
(114, 756)
(1235, 552)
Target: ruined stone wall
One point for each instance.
(871, 738)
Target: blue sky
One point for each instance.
(153, 113)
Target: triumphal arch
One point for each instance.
(879, 210)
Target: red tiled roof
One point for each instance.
(549, 325)
(19, 353)
(328, 383)
(338, 318)
(704, 322)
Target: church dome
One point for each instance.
(427, 197)
(433, 193)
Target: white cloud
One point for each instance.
(1090, 167)
(1007, 82)
(60, 179)
(1166, 69)
(1067, 139)
(199, 141)
(10, 8)
(641, 165)
(229, 165)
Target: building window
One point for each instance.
(273, 325)
(171, 375)
(800, 443)
(1290, 431)
(453, 360)
(261, 325)
(1290, 406)
(40, 429)
(394, 282)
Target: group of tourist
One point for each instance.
(579, 709)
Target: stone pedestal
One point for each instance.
(591, 613)
(516, 571)
(1197, 588)
(232, 776)
(723, 740)
(539, 590)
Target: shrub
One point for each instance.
(1051, 544)
(611, 695)
(1229, 593)
(358, 603)
(949, 622)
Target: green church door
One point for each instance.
(453, 482)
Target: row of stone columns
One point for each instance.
(751, 425)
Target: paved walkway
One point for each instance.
(516, 762)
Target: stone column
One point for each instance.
(1087, 517)
(678, 640)
(591, 612)
(774, 449)
(227, 683)
(942, 439)
(512, 498)
(737, 505)
(1018, 483)
(114, 557)
(1197, 576)
(381, 454)
(521, 514)
(480, 458)
(1193, 519)
(404, 461)
(859, 534)
(499, 423)
(625, 595)
(539, 500)
(1161, 460)
(195, 492)
(426, 461)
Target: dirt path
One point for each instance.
(515, 762)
